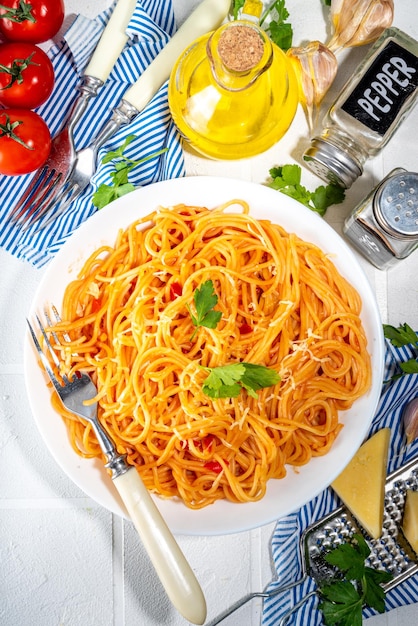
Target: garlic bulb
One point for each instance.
(316, 67)
(410, 420)
(359, 22)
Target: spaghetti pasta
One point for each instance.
(284, 305)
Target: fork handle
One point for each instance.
(208, 15)
(169, 561)
(112, 41)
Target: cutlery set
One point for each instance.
(67, 173)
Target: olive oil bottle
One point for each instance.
(233, 93)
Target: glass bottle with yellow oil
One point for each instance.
(233, 93)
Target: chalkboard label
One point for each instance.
(381, 93)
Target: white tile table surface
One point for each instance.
(64, 560)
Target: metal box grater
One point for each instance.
(391, 552)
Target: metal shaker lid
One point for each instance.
(395, 205)
(331, 163)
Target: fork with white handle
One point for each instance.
(48, 180)
(208, 15)
(170, 563)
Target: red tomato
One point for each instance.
(26, 75)
(214, 466)
(25, 141)
(31, 20)
(176, 290)
(96, 305)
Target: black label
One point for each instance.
(380, 94)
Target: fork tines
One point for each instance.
(39, 194)
(56, 206)
(44, 359)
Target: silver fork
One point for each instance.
(206, 17)
(50, 180)
(170, 564)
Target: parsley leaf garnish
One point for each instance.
(105, 194)
(342, 599)
(280, 32)
(236, 8)
(227, 381)
(286, 178)
(205, 299)
(403, 336)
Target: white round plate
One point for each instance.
(299, 486)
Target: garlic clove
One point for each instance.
(359, 22)
(410, 420)
(316, 67)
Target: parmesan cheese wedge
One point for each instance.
(410, 519)
(361, 485)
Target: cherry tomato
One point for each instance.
(31, 20)
(26, 75)
(25, 141)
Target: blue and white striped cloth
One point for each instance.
(150, 28)
(285, 542)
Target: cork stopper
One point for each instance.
(240, 48)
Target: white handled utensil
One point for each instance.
(112, 41)
(169, 561)
(207, 16)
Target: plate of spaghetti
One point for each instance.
(236, 346)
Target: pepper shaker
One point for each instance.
(384, 226)
(368, 110)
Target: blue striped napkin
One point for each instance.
(150, 28)
(285, 542)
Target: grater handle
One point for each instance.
(297, 606)
(258, 594)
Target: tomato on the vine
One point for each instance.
(25, 141)
(26, 75)
(31, 20)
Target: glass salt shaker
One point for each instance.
(368, 110)
(384, 226)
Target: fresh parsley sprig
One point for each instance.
(105, 194)
(227, 381)
(343, 598)
(287, 179)
(278, 29)
(404, 335)
(236, 8)
(205, 299)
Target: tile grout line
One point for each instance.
(118, 558)
(256, 549)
